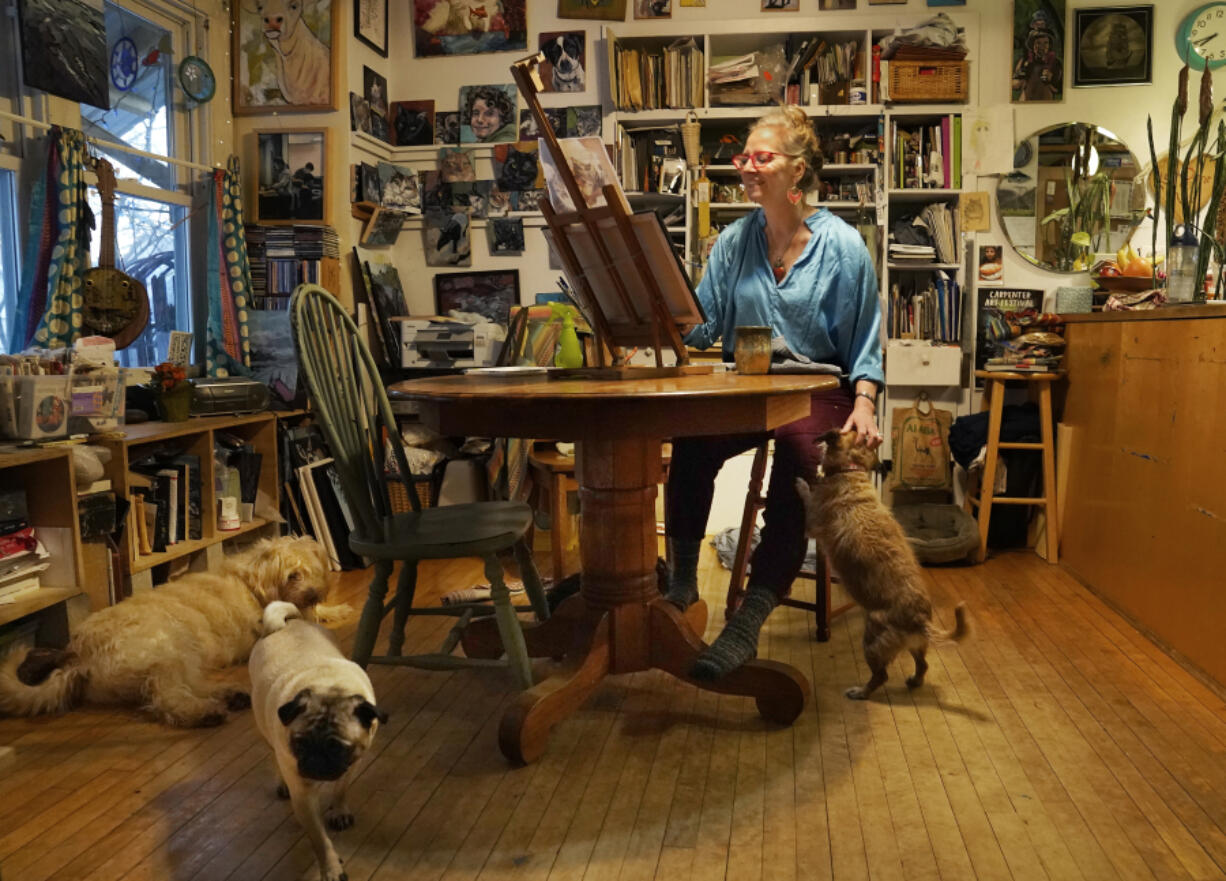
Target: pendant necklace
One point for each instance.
(777, 266)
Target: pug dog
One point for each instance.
(316, 709)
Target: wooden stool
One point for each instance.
(754, 501)
(554, 475)
(994, 402)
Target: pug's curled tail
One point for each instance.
(962, 627)
(279, 613)
(41, 681)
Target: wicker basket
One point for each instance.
(399, 496)
(928, 81)
(691, 130)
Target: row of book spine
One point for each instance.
(933, 312)
(929, 155)
(166, 502)
(656, 78)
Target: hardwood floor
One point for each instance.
(1057, 742)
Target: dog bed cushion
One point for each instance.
(939, 533)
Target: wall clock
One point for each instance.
(1201, 36)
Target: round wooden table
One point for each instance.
(618, 623)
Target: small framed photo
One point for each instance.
(653, 8)
(262, 82)
(780, 5)
(991, 269)
(375, 91)
(370, 24)
(490, 293)
(291, 164)
(593, 10)
(1113, 46)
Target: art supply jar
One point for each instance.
(753, 350)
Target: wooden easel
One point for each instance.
(631, 283)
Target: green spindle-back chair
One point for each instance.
(353, 408)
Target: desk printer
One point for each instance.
(436, 342)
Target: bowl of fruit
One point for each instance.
(1129, 271)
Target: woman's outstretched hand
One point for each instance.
(863, 420)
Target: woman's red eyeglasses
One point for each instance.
(757, 159)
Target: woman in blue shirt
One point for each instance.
(808, 276)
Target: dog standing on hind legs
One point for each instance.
(874, 560)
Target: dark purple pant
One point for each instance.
(691, 485)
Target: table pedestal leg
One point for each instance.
(620, 623)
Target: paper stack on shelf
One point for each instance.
(22, 559)
(940, 222)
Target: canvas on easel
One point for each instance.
(623, 271)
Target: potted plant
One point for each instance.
(173, 393)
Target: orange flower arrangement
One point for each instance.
(166, 376)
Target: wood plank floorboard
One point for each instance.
(1057, 742)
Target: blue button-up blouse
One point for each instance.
(826, 307)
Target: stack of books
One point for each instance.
(927, 156)
(22, 559)
(283, 257)
(1037, 349)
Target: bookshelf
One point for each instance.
(46, 476)
(651, 81)
(195, 437)
(860, 165)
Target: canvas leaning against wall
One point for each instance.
(286, 68)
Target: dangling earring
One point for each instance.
(795, 195)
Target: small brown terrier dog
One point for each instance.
(870, 552)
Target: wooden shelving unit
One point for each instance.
(51, 498)
(196, 436)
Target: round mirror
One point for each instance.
(1075, 192)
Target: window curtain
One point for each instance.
(227, 345)
(57, 248)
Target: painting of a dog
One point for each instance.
(157, 649)
(874, 561)
(564, 57)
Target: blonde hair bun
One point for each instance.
(796, 137)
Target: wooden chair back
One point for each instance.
(348, 394)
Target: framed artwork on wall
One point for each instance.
(490, 293)
(287, 69)
(1038, 51)
(1113, 46)
(291, 165)
(593, 10)
(64, 50)
(487, 113)
(565, 60)
(370, 24)
(468, 27)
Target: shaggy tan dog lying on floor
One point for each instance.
(874, 561)
(158, 648)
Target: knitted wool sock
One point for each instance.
(683, 582)
(738, 642)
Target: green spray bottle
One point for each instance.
(569, 353)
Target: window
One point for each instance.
(9, 278)
(151, 208)
(142, 116)
(151, 246)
